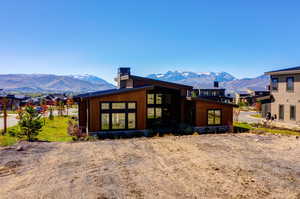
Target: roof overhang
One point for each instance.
(212, 101)
(287, 72)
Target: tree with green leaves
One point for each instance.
(30, 123)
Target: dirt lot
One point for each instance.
(205, 166)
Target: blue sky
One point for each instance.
(244, 38)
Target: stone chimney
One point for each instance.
(123, 79)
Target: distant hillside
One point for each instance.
(206, 79)
(52, 83)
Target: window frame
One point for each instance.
(277, 83)
(110, 111)
(214, 117)
(287, 85)
(279, 115)
(294, 117)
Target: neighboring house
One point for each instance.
(250, 96)
(14, 102)
(141, 103)
(215, 93)
(285, 91)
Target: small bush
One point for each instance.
(30, 123)
(75, 131)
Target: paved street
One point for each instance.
(11, 121)
(246, 117)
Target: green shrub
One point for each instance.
(30, 123)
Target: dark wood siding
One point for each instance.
(82, 112)
(143, 82)
(203, 106)
(137, 96)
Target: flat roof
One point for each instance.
(284, 71)
(156, 80)
(111, 92)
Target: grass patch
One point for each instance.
(243, 125)
(7, 140)
(54, 131)
(256, 115)
(279, 131)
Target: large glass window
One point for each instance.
(281, 112)
(214, 117)
(274, 84)
(118, 115)
(150, 113)
(118, 105)
(104, 121)
(292, 112)
(131, 120)
(150, 99)
(104, 106)
(290, 83)
(118, 121)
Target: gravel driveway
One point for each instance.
(240, 166)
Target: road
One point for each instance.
(11, 121)
(12, 118)
(246, 117)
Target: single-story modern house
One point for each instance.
(140, 103)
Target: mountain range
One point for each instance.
(33, 83)
(206, 80)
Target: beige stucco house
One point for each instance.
(285, 93)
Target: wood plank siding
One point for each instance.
(202, 108)
(138, 96)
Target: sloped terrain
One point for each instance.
(50, 83)
(205, 166)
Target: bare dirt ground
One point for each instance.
(202, 166)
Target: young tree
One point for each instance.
(30, 123)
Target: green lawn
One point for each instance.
(54, 131)
(256, 115)
(279, 131)
(242, 125)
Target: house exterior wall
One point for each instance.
(286, 98)
(137, 96)
(203, 106)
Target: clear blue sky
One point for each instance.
(245, 38)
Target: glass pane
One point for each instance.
(159, 98)
(131, 105)
(150, 98)
(150, 112)
(104, 121)
(118, 121)
(217, 116)
(210, 117)
(131, 120)
(290, 83)
(158, 112)
(118, 106)
(104, 106)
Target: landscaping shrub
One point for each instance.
(75, 131)
(30, 123)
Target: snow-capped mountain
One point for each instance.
(206, 79)
(90, 78)
(36, 83)
(203, 76)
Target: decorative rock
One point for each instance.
(19, 148)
